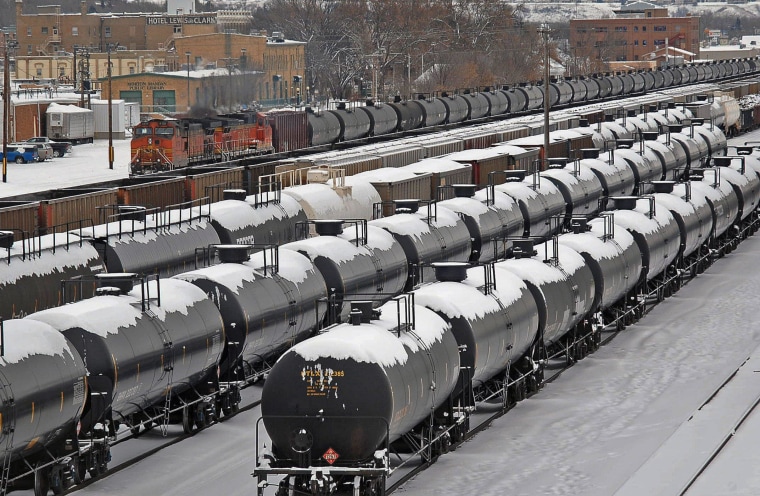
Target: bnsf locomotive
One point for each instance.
(165, 144)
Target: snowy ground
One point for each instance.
(86, 164)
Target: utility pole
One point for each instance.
(6, 105)
(543, 30)
(187, 54)
(110, 113)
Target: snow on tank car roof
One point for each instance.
(375, 342)
(469, 206)
(104, 315)
(48, 262)
(177, 220)
(326, 202)
(674, 203)
(335, 248)
(236, 214)
(415, 224)
(377, 238)
(539, 272)
(23, 338)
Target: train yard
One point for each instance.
(629, 237)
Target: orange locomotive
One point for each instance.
(162, 144)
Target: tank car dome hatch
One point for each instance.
(234, 194)
(353, 424)
(116, 283)
(450, 271)
(233, 253)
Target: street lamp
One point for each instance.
(187, 54)
(110, 113)
(543, 30)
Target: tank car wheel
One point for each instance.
(80, 470)
(188, 414)
(41, 482)
(99, 464)
(57, 482)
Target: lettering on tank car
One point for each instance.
(320, 381)
(79, 391)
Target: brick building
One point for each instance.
(633, 34)
(71, 47)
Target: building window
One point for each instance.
(635, 42)
(644, 42)
(621, 29)
(131, 69)
(660, 28)
(635, 29)
(74, 31)
(178, 29)
(107, 31)
(29, 49)
(580, 30)
(44, 30)
(643, 28)
(29, 31)
(38, 71)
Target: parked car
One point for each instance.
(60, 148)
(21, 154)
(44, 151)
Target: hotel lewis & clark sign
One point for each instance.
(185, 19)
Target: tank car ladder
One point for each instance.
(8, 429)
(167, 359)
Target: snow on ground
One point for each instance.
(86, 164)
